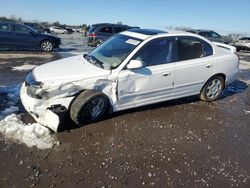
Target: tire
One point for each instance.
(213, 88)
(46, 46)
(88, 107)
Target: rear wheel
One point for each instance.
(47, 46)
(88, 107)
(212, 89)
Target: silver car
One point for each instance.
(242, 44)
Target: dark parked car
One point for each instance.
(18, 36)
(37, 27)
(210, 35)
(70, 30)
(98, 33)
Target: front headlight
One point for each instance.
(36, 92)
(34, 88)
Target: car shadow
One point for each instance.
(237, 86)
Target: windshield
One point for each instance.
(91, 29)
(112, 52)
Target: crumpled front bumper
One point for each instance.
(42, 111)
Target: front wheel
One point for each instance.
(88, 107)
(212, 89)
(47, 46)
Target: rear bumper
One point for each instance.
(56, 44)
(232, 76)
(92, 41)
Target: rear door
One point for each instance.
(5, 36)
(194, 65)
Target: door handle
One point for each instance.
(166, 74)
(209, 65)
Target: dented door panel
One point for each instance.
(145, 84)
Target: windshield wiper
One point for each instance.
(88, 58)
(93, 60)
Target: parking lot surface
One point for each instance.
(180, 143)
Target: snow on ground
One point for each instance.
(11, 126)
(23, 67)
(33, 135)
(26, 55)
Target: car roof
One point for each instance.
(147, 31)
(8, 22)
(144, 34)
(108, 24)
(198, 30)
(204, 30)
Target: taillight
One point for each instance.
(92, 35)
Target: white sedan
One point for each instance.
(134, 68)
(58, 30)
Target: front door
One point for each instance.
(23, 37)
(151, 83)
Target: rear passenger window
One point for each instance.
(205, 34)
(106, 30)
(192, 48)
(4, 27)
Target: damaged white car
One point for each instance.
(134, 68)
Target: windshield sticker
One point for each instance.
(133, 42)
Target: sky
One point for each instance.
(219, 15)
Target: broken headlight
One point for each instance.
(34, 88)
(36, 92)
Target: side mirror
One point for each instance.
(134, 64)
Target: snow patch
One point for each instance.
(23, 67)
(33, 135)
(12, 128)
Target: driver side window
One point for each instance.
(20, 29)
(157, 52)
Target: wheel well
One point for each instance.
(110, 107)
(45, 40)
(219, 74)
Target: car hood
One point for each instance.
(68, 69)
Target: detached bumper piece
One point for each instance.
(56, 116)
